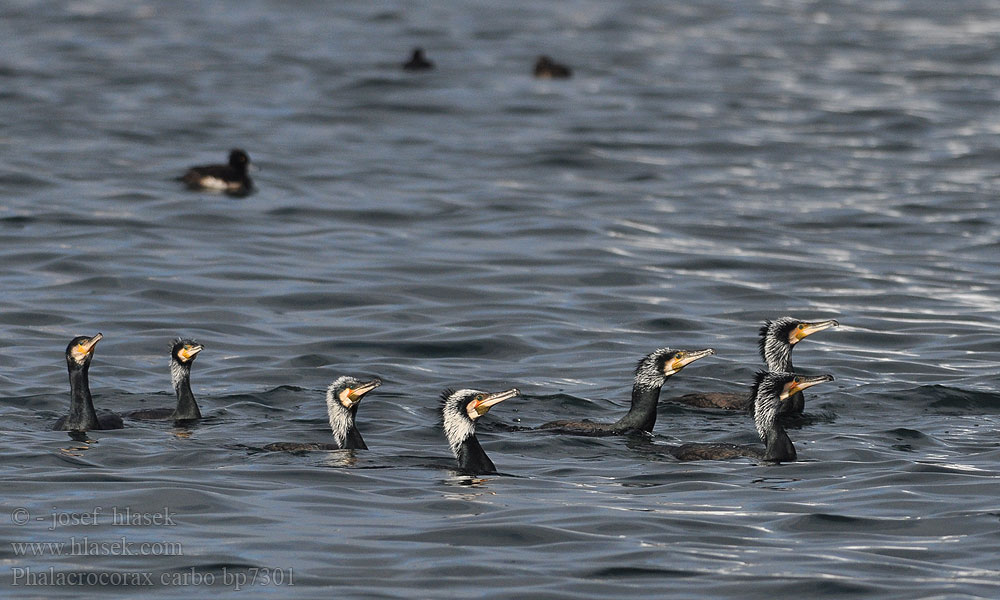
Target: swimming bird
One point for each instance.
(182, 356)
(770, 390)
(418, 62)
(775, 342)
(650, 375)
(459, 411)
(82, 416)
(343, 397)
(546, 68)
(231, 179)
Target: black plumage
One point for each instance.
(651, 373)
(459, 411)
(232, 178)
(82, 416)
(182, 355)
(343, 397)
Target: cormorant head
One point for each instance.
(185, 351)
(777, 338)
(238, 159)
(653, 370)
(348, 391)
(418, 55)
(80, 350)
(342, 399)
(770, 389)
(460, 409)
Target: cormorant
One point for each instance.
(342, 400)
(775, 343)
(82, 416)
(459, 411)
(650, 375)
(770, 390)
(231, 179)
(418, 62)
(546, 68)
(182, 355)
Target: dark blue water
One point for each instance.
(710, 165)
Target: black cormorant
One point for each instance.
(775, 343)
(770, 390)
(418, 62)
(231, 179)
(459, 411)
(82, 416)
(342, 399)
(650, 375)
(182, 355)
(546, 68)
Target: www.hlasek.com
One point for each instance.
(236, 579)
(85, 546)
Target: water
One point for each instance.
(709, 166)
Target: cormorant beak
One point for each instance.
(682, 359)
(188, 352)
(804, 330)
(86, 348)
(483, 405)
(802, 382)
(350, 396)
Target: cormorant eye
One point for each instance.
(479, 397)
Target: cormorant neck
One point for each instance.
(472, 458)
(779, 359)
(341, 420)
(354, 440)
(642, 415)
(352, 437)
(82, 416)
(796, 403)
(187, 407)
(778, 446)
(778, 356)
(461, 433)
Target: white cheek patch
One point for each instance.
(345, 398)
(471, 411)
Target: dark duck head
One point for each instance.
(82, 416)
(239, 160)
(182, 356)
(546, 68)
(770, 390)
(459, 412)
(343, 397)
(418, 62)
(777, 338)
(650, 375)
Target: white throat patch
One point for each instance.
(458, 427)
(339, 416)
